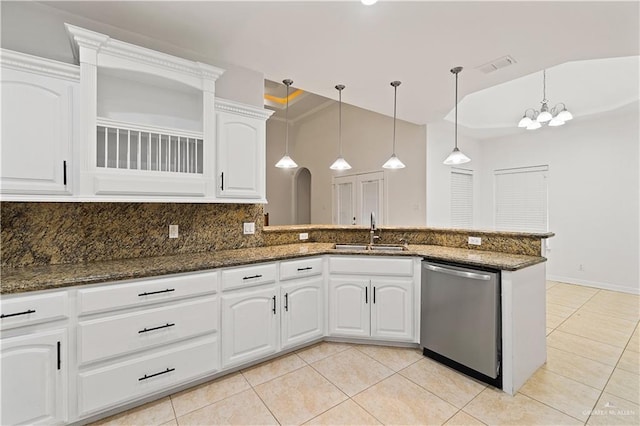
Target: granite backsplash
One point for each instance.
(58, 233)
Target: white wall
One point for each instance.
(38, 29)
(594, 192)
(367, 143)
(279, 181)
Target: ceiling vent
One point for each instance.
(496, 64)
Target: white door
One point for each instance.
(241, 156)
(355, 197)
(36, 133)
(392, 308)
(369, 196)
(349, 305)
(302, 308)
(249, 325)
(34, 378)
(344, 200)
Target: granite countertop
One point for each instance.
(20, 280)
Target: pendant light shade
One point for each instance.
(340, 163)
(456, 156)
(394, 162)
(286, 162)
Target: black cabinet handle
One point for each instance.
(305, 269)
(366, 295)
(64, 173)
(29, 311)
(167, 325)
(274, 305)
(374, 295)
(252, 276)
(59, 360)
(156, 292)
(145, 377)
(286, 302)
(222, 181)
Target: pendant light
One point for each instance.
(456, 156)
(286, 162)
(340, 163)
(394, 162)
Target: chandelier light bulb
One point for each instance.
(555, 122)
(524, 122)
(534, 125)
(564, 115)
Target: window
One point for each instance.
(521, 199)
(461, 198)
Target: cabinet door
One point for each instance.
(392, 308)
(34, 378)
(302, 311)
(36, 133)
(249, 325)
(241, 156)
(349, 305)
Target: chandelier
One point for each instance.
(556, 116)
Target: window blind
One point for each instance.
(521, 199)
(461, 198)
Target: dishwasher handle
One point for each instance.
(462, 274)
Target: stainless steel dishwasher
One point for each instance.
(461, 320)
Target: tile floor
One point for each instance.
(592, 376)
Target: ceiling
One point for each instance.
(321, 44)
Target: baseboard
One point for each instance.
(594, 284)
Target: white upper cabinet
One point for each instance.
(38, 104)
(241, 142)
(147, 123)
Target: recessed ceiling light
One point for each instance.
(369, 2)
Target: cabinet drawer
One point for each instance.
(120, 334)
(300, 268)
(371, 265)
(144, 292)
(125, 381)
(248, 276)
(19, 311)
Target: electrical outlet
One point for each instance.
(304, 236)
(173, 231)
(476, 241)
(249, 228)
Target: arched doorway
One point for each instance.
(302, 193)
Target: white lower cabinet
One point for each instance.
(124, 381)
(249, 325)
(34, 378)
(369, 304)
(302, 311)
(349, 309)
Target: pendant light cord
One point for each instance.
(395, 101)
(286, 120)
(544, 87)
(456, 114)
(340, 120)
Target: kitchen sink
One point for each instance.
(351, 247)
(374, 247)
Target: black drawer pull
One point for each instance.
(286, 302)
(374, 295)
(252, 276)
(366, 295)
(145, 377)
(167, 325)
(274, 305)
(30, 311)
(305, 269)
(156, 292)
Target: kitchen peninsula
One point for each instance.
(200, 300)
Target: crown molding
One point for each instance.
(242, 109)
(37, 65)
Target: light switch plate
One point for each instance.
(173, 231)
(249, 228)
(476, 241)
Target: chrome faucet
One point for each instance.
(372, 230)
